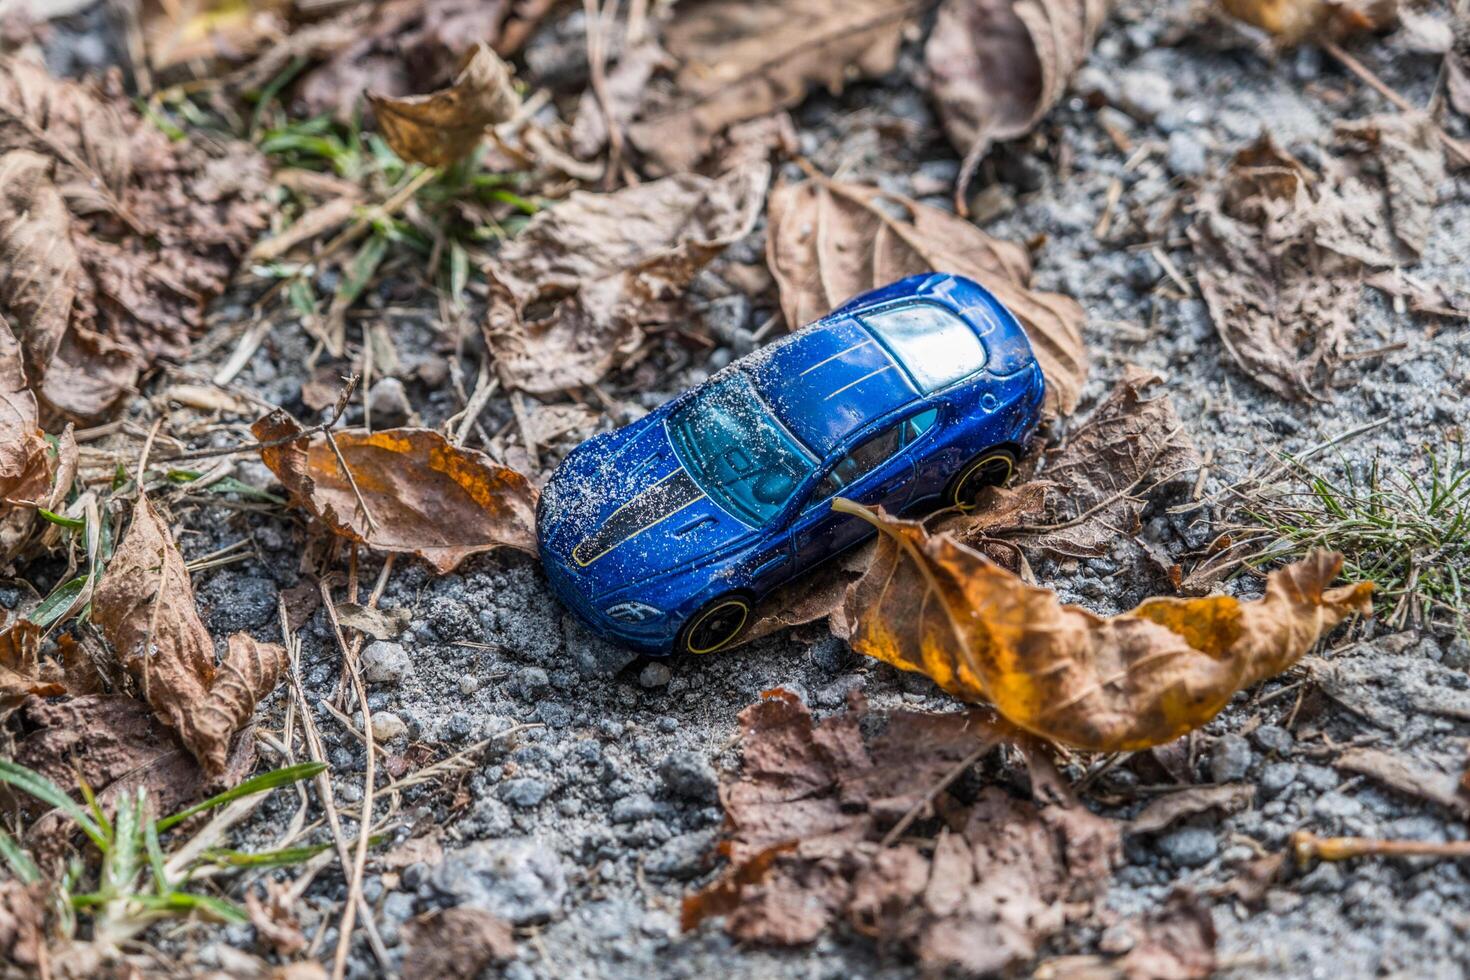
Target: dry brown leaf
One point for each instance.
(150, 232)
(997, 66)
(1092, 489)
(738, 60)
(27, 467)
(1457, 68)
(444, 126)
(1294, 21)
(931, 605)
(1176, 942)
(807, 812)
(1280, 261)
(607, 265)
(626, 88)
(829, 240)
(425, 496)
(1173, 807)
(1410, 776)
(457, 943)
(407, 46)
(178, 33)
(1405, 150)
(22, 926)
(116, 744)
(273, 919)
(145, 607)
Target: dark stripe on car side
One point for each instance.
(658, 503)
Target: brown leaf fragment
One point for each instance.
(444, 126)
(1405, 150)
(1457, 68)
(997, 66)
(1168, 810)
(626, 88)
(807, 599)
(425, 496)
(571, 294)
(736, 61)
(1281, 299)
(1408, 776)
(829, 240)
(931, 605)
(22, 925)
(457, 943)
(145, 607)
(812, 800)
(147, 232)
(27, 466)
(21, 671)
(1176, 942)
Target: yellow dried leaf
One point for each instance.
(439, 128)
(929, 604)
(423, 495)
(1291, 21)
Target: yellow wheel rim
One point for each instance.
(976, 467)
(740, 604)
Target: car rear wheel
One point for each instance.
(991, 468)
(716, 625)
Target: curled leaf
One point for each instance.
(423, 496)
(830, 240)
(573, 291)
(997, 66)
(145, 607)
(931, 605)
(444, 126)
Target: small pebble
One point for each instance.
(689, 775)
(387, 726)
(1276, 777)
(1189, 847)
(655, 674)
(1273, 738)
(1229, 759)
(388, 402)
(385, 663)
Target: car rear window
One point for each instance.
(935, 345)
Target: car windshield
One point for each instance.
(937, 347)
(736, 451)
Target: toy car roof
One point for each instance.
(828, 380)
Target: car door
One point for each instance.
(875, 472)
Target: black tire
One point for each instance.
(992, 468)
(716, 624)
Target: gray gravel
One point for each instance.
(593, 825)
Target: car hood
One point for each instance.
(621, 509)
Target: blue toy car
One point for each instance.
(665, 533)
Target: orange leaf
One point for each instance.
(931, 605)
(423, 495)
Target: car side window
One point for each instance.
(919, 424)
(863, 459)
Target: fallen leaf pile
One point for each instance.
(829, 240)
(115, 238)
(27, 468)
(573, 292)
(807, 815)
(423, 496)
(1282, 251)
(934, 606)
(997, 66)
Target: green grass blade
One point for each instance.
(264, 859)
(263, 783)
(61, 520)
(182, 903)
(34, 784)
(18, 860)
(155, 854)
(58, 602)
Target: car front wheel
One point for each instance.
(715, 626)
(991, 468)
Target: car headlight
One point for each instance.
(633, 612)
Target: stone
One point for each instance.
(1230, 757)
(1145, 94)
(633, 808)
(1273, 738)
(384, 662)
(1276, 777)
(519, 879)
(523, 791)
(689, 775)
(1186, 155)
(388, 402)
(388, 727)
(1188, 847)
(530, 682)
(684, 856)
(655, 674)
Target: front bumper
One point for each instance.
(654, 637)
